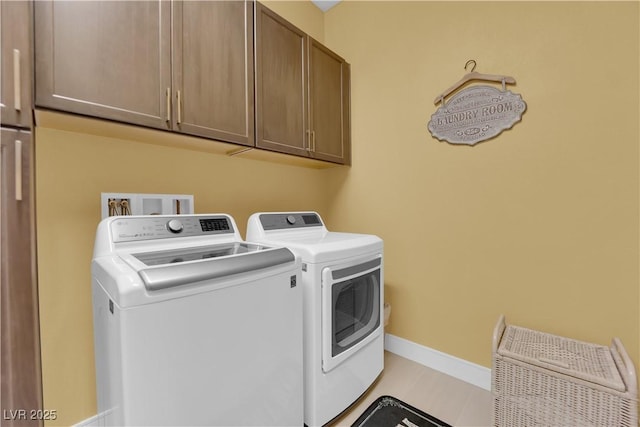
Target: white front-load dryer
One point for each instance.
(194, 326)
(343, 294)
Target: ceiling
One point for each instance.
(325, 5)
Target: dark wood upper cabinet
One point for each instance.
(15, 95)
(213, 69)
(184, 66)
(329, 105)
(281, 84)
(107, 59)
(188, 66)
(302, 92)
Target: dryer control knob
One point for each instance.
(175, 226)
(291, 219)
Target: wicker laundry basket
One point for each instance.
(540, 379)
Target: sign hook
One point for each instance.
(467, 64)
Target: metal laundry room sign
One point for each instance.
(476, 113)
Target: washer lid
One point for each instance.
(176, 267)
(175, 256)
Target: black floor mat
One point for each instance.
(388, 411)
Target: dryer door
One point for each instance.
(351, 309)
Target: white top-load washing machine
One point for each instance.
(342, 280)
(193, 326)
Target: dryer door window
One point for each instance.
(351, 310)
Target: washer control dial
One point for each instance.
(175, 226)
(291, 219)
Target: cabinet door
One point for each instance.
(108, 59)
(15, 96)
(20, 362)
(281, 84)
(213, 69)
(329, 104)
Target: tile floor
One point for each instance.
(453, 401)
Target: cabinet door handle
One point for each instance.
(18, 169)
(309, 140)
(179, 107)
(313, 141)
(168, 96)
(17, 101)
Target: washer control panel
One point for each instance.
(283, 221)
(128, 229)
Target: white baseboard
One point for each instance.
(464, 370)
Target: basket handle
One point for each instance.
(625, 366)
(498, 331)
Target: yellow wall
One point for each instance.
(541, 223)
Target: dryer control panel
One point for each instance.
(283, 221)
(128, 229)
